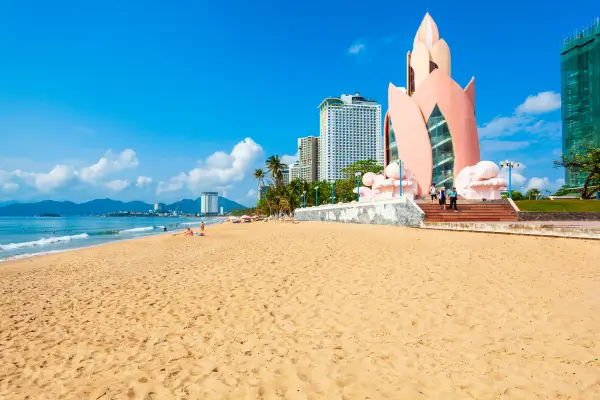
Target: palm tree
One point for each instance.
(284, 206)
(259, 175)
(275, 168)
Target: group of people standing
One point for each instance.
(441, 195)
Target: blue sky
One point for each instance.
(160, 100)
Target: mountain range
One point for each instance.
(105, 206)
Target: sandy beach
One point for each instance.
(307, 311)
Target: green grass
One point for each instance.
(559, 205)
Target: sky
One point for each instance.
(158, 101)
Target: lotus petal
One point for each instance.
(427, 33)
(470, 92)
(438, 88)
(440, 55)
(419, 61)
(414, 148)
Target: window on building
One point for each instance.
(441, 149)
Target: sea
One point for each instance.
(22, 237)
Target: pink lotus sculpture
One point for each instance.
(480, 181)
(432, 122)
(383, 188)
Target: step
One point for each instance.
(469, 212)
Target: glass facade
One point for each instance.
(392, 154)
(441, 149)
(580, 95)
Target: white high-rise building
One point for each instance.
(308, 158)
(294, 171)
(209, 203)
(286, 176)
(350, 131)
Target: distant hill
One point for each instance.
(104, 206)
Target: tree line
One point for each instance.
(279, 198)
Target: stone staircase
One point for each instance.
(469, 211)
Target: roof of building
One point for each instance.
(331, 102)
(581, 37)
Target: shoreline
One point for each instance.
(309, 310)
(25, 256)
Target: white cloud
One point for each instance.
(57, 178)
(503, 126)
(219, 170)
(174, 184)
(523, 121)
(117, 185)
(518, 179)
(4, 176)
(543, 184)
(357, 47)
(552, 129)
(540, 103)
(502, 145)
(251, 193)
(143, 181)
(224, 190)
(63, 175)
(219, 160)
(10, 187)
(289, 160)
(109, 164)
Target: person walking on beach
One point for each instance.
(433, 192)
(453, 195)
(442, 195)
(202, 227)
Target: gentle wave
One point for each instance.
(133, 230)
(100, 233)
(29, 255)
(58, 239)
(42, 242)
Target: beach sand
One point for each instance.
(307, 311)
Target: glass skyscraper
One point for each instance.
(580, 94)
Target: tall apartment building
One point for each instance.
(286, 176)
(580, 94)
(209, 203)
(350, 131)
(294, 171)
(308, 158)
(262, 190)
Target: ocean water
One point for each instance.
(22, 237)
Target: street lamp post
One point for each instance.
(317, 196)
(510, 165)
(400, 165)
(357, 175)
(332, 192)
(304, 198)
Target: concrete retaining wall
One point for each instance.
(399, 212)
(558, 216)
(533, 229)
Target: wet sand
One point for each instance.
(307, 311)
